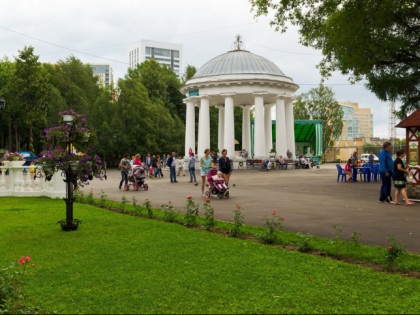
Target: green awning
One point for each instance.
(307, 132)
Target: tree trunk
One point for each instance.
(31, 148)
(9, 147)
(16, 138)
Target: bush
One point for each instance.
(192, 208)
(208, 215)
(238, 222)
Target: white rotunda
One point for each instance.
(240, 78)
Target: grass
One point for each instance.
(331, 247)
(123, 264)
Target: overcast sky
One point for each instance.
(205, 28)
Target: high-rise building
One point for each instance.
(103, 72)
(357, 122)
(164, 53)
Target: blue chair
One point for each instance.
(363, 173)
(374, 172)
(341, 173)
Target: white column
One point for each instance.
(189, 128)
(221, 134)
(268, 129)
(229, 138)
(203, 126)
(259, 134)
(290, 126)
(281, 134)
(246, 129)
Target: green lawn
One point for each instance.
(122, 264)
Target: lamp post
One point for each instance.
(69, 224)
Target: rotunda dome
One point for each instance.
(238, 62)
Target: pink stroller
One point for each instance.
(136, 178)
(218, 188)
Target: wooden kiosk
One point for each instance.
(412, 127)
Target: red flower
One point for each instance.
(170, 201)
(274, 211)
(390, 247)
(33, 265)
(207, 199)
(238, 207)
(282, 217)
(189, 197)
(28, 258)
(21, 262)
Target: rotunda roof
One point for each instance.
(238, 62)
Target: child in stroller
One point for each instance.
(217, 185)
(136, 178)
(265, 165)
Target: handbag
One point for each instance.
(409, 178)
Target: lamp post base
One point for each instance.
(69, 226)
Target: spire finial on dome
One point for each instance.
(238, 43)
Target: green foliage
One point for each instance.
(89, 197)
(123, 203)
(393, 251)
(208, 215)
(190, 72)
(148, 104)
(320, 104)
(191, 214)
(103, 199)
(148, 205)
(304, 244)
(272, 224)
(355, 238)
(238, 222)
(168, 210)
(337, 234)
(377, 40)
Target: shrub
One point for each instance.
(123, 203)
(136, 207)
(192, 208)
(355, 238)
(304, 242)
(89, 198)
(168, 211)
(273, 224)
(103, 199)
(208, 215)
(393, 251)
(238, 222)
(148, 205)
(79, 196)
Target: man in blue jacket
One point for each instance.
(386, 166)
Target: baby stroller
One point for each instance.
(265, 165)
(218, 188)
(136, 178)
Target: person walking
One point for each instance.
(191, 168)
(386, 167)
(399, 179)
(171, 162)
(148, 162)
(124, 166)
(224, 166)
(180, 167)
(154, 166)
(205, 164)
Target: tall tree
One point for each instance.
(190, 71)
(31, 88)
(378, 40)
(320, 104)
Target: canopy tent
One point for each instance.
(308, 135)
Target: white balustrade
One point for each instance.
(19, 184)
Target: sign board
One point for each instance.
(193, 92)
(413, 157)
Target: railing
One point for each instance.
(20, 182)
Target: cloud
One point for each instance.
(205, 28)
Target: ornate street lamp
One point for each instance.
(69, 224)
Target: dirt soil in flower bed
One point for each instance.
(310, 200)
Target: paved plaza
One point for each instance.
(310, 200)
